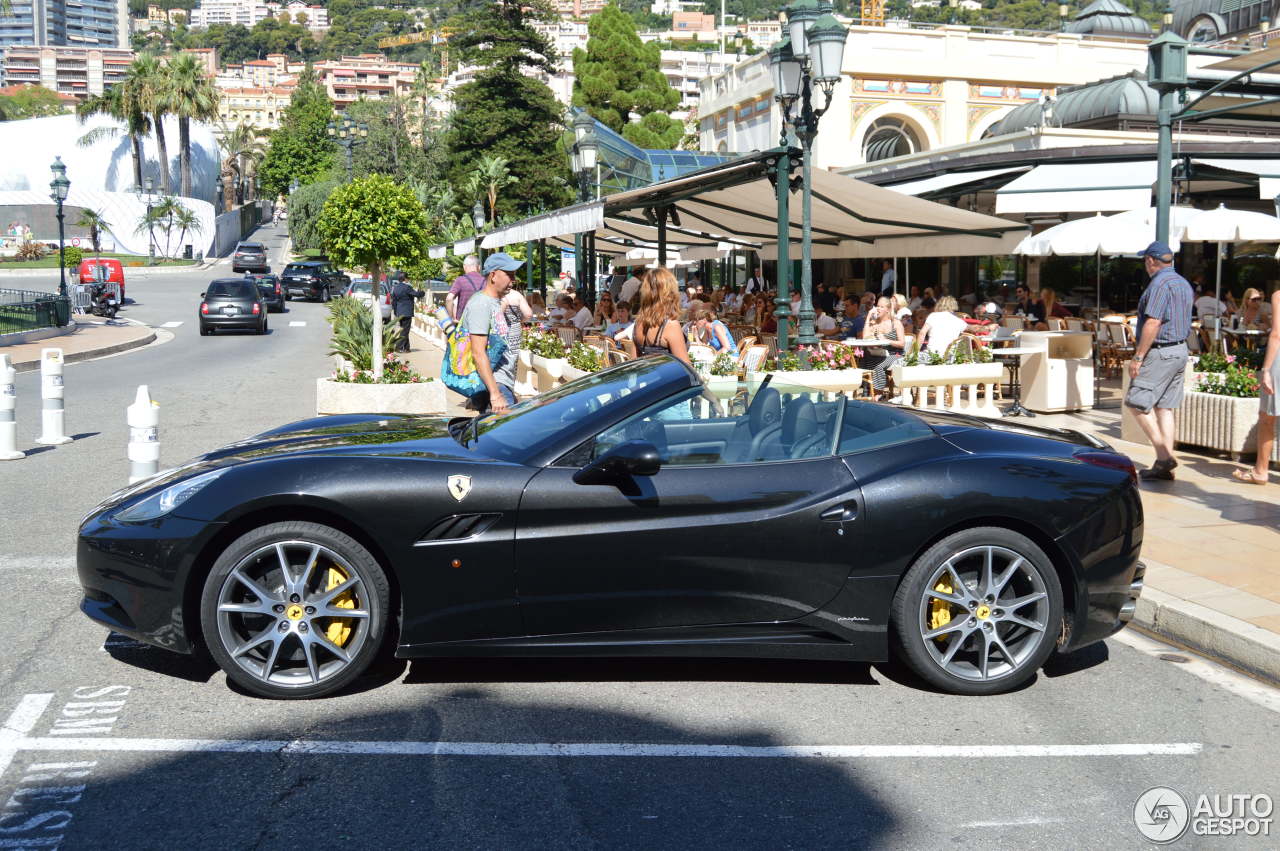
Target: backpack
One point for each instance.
(458, 366)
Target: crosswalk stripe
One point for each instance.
(171, 325)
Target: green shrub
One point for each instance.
(30, 251)
(73, 254)
(586, 358)
(544, 344)
(352, 339)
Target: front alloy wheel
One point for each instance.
(979, 612)
(294, 610)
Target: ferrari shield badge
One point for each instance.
(459, 487)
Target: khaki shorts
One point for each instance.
(1159, 383)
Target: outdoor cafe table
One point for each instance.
(1248, 336)
(1014, 364)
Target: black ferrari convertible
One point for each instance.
(635, 511)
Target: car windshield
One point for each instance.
(268, 281)
(534, 425)
(297, 268)
(235, 289)
(361, 287)
(251, 247)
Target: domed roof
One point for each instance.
(1125, 95)
(1108, 17)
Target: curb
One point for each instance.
(89, 354)
(1237, 642)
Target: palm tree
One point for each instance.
(242, 150)
(187, 221)
(149, 80)
(117, 102)
(96, 223)
(490, 175)
(189, 95)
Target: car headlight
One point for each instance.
(165, 501)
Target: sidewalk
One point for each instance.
(91, 337)
(426, 359)
(130, 271)
(1211, 546)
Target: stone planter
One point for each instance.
(335, 397)
(1222, 423)
(549, 371)
(967, 388)
(572, 373)
(831, 380)
(526, 380)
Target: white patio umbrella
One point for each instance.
(1220, 225)
(1124, 233)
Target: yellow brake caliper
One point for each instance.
(339, 629)
(940, 610)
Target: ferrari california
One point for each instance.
(636, 511)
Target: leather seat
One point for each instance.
(763, 421)
(799, 432)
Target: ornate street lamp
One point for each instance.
(1063, 9)
(585, 155)
(477, 219)
(60, 186)
(814, 53)
(347, 133)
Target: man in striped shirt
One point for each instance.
(1160, 357)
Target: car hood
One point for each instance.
(358, 434)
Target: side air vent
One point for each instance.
(455, 527)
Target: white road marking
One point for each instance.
(601, 749)
(1241, 685)
(1016, 822)
(21, 721)
(171, 325)
(296, 324)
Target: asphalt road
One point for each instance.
(124, 746)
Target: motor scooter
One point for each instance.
(103, 301)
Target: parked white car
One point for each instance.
(362, 289)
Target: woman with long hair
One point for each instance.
(1252, 315)
(657, 328)
(1268, 409)
(883, 324)
(705, 327)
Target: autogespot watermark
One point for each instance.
(1163, 815)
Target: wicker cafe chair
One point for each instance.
(744, 343)
(568, 334)
(701, 353)
(753, 357)
(615, 356)
(597, 341)
(770, 341)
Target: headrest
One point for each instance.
(800, 419)
(766, 409)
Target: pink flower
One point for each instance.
(1231, 358)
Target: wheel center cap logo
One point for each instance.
(294, 613)
(983, 612)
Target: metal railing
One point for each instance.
(26, 310)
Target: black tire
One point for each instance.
(324, 296)
(1016, 639)
(291, 677)
(265, 325)
(205, 331)
(287, 297)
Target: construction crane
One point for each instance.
(872, 13)
(440, 36)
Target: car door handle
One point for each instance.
(840, 513)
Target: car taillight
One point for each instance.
(255, 307)
(386, 299)
(277, 289)
(1110, 460)
(204, 307)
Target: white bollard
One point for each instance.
(8, 421)
(53, 417)
(144, 436)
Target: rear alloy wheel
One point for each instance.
(979, 612)
(324, 296)
(294, 610)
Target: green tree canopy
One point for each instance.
(300, 149)
(619, 81)
(370, 222)
(31, 102)
(505, 113)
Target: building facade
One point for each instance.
(908, 90)
(75, 23)
(76, 71)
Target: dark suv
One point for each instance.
(317, 279)
(250, 257)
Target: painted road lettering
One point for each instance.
(38, 811)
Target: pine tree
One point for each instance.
(619, 81)
(503, 112)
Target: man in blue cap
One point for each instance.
(1160, 357)
(483, 316)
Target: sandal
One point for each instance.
(1248, 477)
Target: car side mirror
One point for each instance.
(201, 295)
(632, 458)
